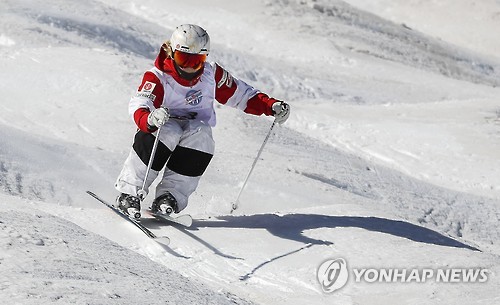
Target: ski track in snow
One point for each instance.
(388, 160)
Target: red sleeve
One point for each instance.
(152, 89)
(261, 103)
(141, 119)
(225, 85)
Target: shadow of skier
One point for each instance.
(292, 227)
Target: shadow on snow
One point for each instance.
(292, 227)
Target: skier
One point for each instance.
(178, 95)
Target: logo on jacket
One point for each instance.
(147, 91)
(194, 97)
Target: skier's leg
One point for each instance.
(187, 163)
(134, 169)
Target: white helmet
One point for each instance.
(190, 38)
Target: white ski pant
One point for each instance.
(185, 150)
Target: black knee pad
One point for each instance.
(188, 161)
(143, 146)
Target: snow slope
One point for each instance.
(389, 160)
(46, 259)
(466, 23)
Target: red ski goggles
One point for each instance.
(188, 60)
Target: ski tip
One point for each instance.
(188, 222)
(184, 220)
(163, 240)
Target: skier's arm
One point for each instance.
(149, 96)
(235, 93)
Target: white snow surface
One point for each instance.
(390, 158)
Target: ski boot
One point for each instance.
(129, 205)
(165, 204)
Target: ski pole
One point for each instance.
(236, 203)
(142, 192)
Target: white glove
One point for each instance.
(158, 117)
(281, 112)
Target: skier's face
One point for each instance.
(189, 63)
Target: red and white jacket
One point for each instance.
(162, 86)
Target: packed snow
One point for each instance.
(390, 158)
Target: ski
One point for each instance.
(183, 220)
(161, 239)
